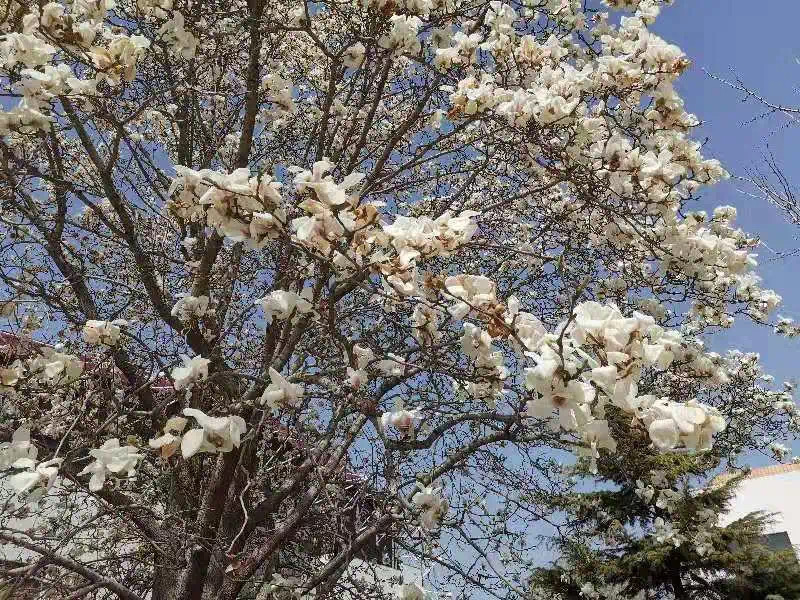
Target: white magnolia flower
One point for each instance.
(193, 369)
(110, 458)
(597, 435)
(55, 367)
(394, 366)
(280, 92)
(568, 401)
(354, 55)
(701, 436)
(403, 36)
(10, 375)
(357, 377)
(540, 377)
(122, 50)
(664, 433)
(281, 393)
(605, 324)
(363, 356)
(411, 591)
(400, 417)
(181, 40)
(425, 321)
(435, 120)
(282, 304)
(19, 447)
(102, 332)
(190, 307)
(41, 476)
(658, 354)
(473, 291)
(475, 342)
(528, 327)
(326, 191)
(217, 434)
(605, 377)
(692, 424)
(169, 443)
(415, 236)
(433, 506)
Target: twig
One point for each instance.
(244, 510)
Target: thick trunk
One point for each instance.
(193, 578)
(677, 586)
(163, 582)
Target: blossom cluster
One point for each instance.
(238, 205)
(48, 367)
(109, 56)
(593, 360)
(102, 332)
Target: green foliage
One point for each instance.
(651, 531)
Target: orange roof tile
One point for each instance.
(773, 470)
(756, 473)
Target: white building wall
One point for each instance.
(771, 492)
(388, 578)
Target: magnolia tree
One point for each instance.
(285, 280)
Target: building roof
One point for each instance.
(773, 470)
(757, 473)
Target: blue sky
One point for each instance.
(759, 44)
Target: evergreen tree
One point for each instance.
(648, 531)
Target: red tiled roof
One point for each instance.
(773, 470)
(757, 473)
(16, 345)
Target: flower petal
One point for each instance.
(22, 482)
(22, 434)
(97, 480)
(664, 433)
(159, 442)
(192, 442)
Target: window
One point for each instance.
(777, 541)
